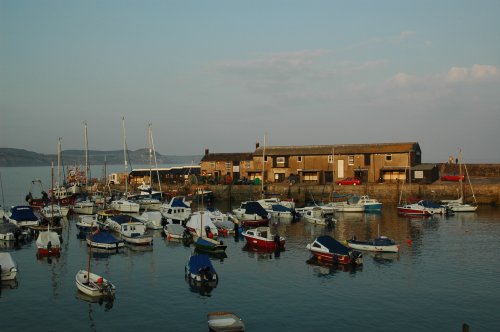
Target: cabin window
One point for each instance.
(330, 159)
(299, 159)
(280, 160)
(350, 160)
(388, 157)
(125, 228)
(316, 245)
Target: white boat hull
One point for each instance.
(97, 287)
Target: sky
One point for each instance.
(223, 75)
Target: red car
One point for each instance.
(349, 181)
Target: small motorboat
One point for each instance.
(104, 239)
(326, 248)
(263, 238)
(316, 215)
(224, 321)
(200, 271)
(22, 216)
(94, 285)
(209, 246)
(8, 269)
(48, 243)
(379, 244)
(174, 231)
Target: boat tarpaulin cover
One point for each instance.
(104, 237)
(178, 202)
(123, 219)
(280, 208)
(255, 208)
(333, 245)
(23, 213)
(197, 262)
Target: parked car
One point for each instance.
(349, 181)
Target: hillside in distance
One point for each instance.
(19, 158)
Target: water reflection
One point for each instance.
(8, 284)
(107, 301)
(383, 258)
(261, 253)
(323, 269)
(204, 288)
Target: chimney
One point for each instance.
(206, 152)
(257, 145)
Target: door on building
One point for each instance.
(340, 169)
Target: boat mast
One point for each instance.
(125, 155)
(150, 158)
(263, 167)
(58, 162)
(154, 156)
(86, 155)
(333, 171)
(460, 174)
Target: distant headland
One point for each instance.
(21, 158)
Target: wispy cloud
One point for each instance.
(476, 73)
(406, 34)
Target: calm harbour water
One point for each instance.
(446, 274)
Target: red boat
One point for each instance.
(453, 178)
(415, 209)
(263, 238)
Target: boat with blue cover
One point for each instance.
(22, 216)
(200, 271)
(252, 214)
(105, 240)
(326, 248)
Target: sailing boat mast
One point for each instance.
(125, 155)
(154, 156)
(86, 146)
(263, 167)
(59, 162)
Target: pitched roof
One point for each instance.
(338, 149)
(241, 156)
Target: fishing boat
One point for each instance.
(379, 244)
(200, 271)
(7, 266)
(262, 237)
(92, 284)
(326, 248)
(104, 239)
(223, 321)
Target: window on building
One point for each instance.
(388, 157)
(310, 177)
(350, 160)
(367, 159)
(280, 160)
(265, 159)
(228, 165)
(212, 164)
(299, 159)
(330, 159)
(247, 164)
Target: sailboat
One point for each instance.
(458, 205)
(92, 284)
(86, 206)
(47, 242)
(125, 205)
